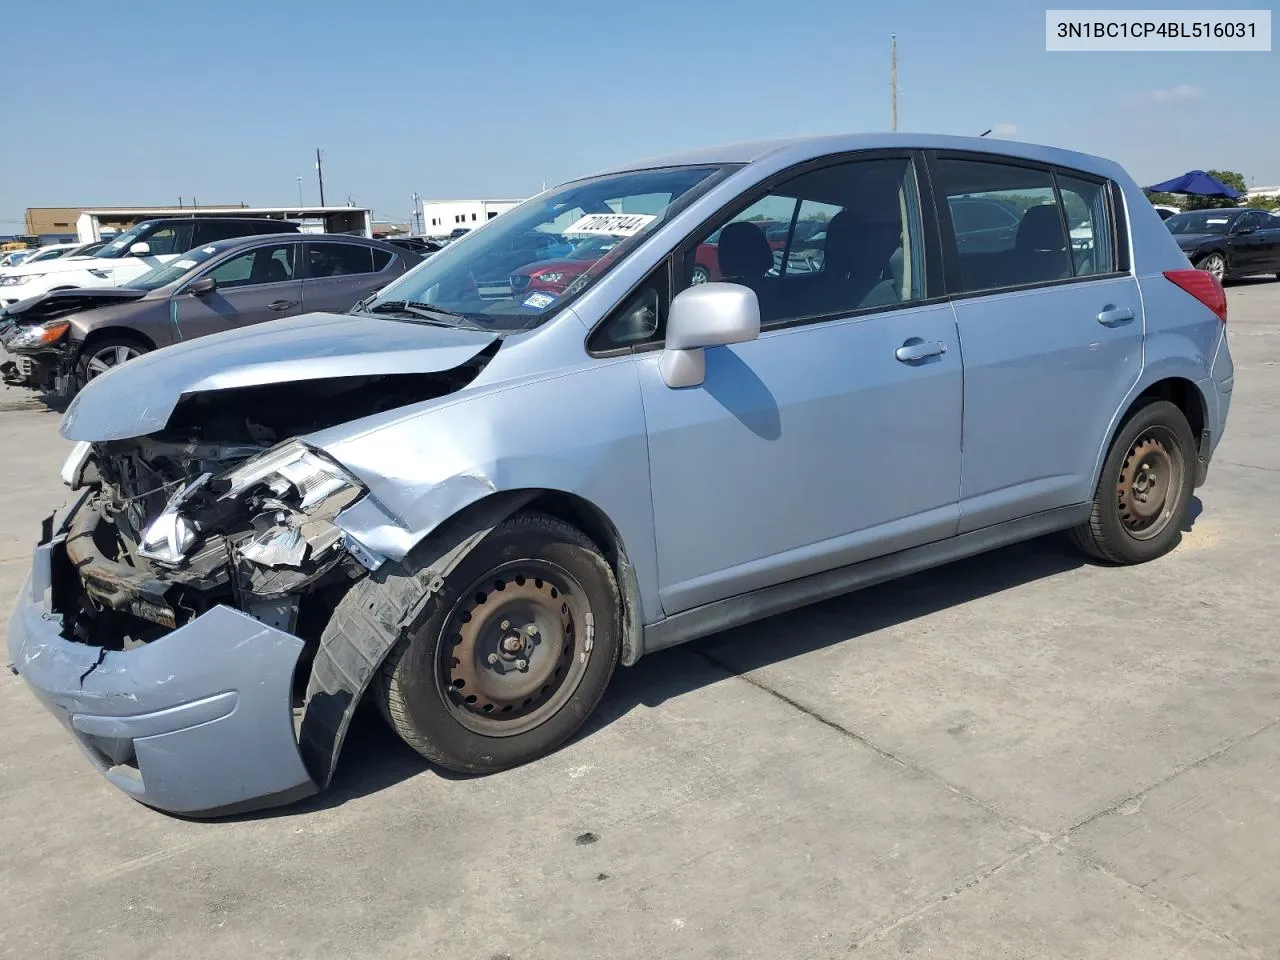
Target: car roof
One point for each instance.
(799, 149)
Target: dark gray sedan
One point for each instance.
(64, 338)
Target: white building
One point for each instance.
(441, 217)
(1263, 192)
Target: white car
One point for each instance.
(131, 254)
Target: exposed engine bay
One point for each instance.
(225, 506)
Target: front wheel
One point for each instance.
(513, 654)
(99, 357)
(1144, 489)
(700, 275)
(1214, 263)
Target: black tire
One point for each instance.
(1214, 263)
(87, 366)
(426, 706)
(1134, 520)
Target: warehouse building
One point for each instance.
(440, 218)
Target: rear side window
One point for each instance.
(338, 260)
(1014, 226)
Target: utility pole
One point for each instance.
(320, 176)
(893, 81)
(300, 203)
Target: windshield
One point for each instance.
(1202, 221)
(166, 273)
(121, 244)
(597, 221)
(53, 253)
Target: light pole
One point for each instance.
(299, 191)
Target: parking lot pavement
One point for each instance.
(1020, 755)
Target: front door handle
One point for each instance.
(281, 304)
(1113, 316)
(915, 350)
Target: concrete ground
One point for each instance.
(1021, 755)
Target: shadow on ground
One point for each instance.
(374, 758)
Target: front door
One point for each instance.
(1051, 332)
(257, 285)
(835, 436)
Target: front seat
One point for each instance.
(744, 254)
(276, 271)
(856, 262)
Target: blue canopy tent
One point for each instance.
(1197, 183)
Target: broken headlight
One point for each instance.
(290, 470)
(278, 489)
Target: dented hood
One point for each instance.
(138, 398)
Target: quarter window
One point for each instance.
(1088, 223)
(380, 259)
(832, 241)
(338, 260)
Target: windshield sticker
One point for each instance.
(610, 224)
(1216, 220)
(185, 264)
(539, 301)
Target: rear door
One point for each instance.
(338, 273)
(1051, 331)
(252, 286)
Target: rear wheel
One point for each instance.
(1214, 263)
(514, 653)
(100, 356)
(700, 275)
(1144, 489)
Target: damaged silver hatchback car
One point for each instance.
(609, 421)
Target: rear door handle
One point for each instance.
(1112, 316)
(281, 304)
(915, 350)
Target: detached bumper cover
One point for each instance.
(198, 722)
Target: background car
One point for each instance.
(1229, 243)
(422, 246)
(139, 249)
(68, 337)
(554, 275)
(1166, 211)
(51, 251)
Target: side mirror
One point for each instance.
(140, 249)
(202, 287)
(705, 315)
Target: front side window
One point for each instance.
(272, 264)
(481, 281)
(119, 246)
(832, 241)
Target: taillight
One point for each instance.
(1204, 286)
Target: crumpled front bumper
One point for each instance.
(198, 722)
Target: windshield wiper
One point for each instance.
(426, 311)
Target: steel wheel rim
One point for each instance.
(1216, 265)
(479, 673)
(109, 357)
(1150, 484)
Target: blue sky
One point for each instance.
(143, 102)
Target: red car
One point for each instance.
(553, 276)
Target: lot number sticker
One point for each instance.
(611, 224)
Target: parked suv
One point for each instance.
(139, 249)
(469, 507)
(62, 339)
